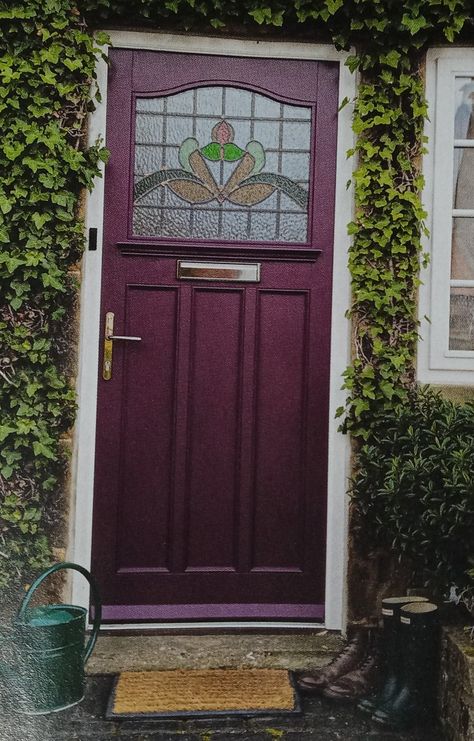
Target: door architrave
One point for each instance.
(82, 479)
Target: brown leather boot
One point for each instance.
(358, 683)
(350, 656)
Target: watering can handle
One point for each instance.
(95, 596)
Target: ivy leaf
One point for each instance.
(48, 76)
(353, 63)
(16, 302)
(334, 5)
(12, 151)
(387, 389)
(6, 471)
(39, 220)
(392, 58)
(40, 449)
(5, 204)
(414, 24)
(102, 38)
(261, 15)
(72, 64)
(5, 431)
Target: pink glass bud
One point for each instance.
(223, 133)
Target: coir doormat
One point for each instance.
(198, 693)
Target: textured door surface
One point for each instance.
(211, 463)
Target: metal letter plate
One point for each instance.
(232, 271)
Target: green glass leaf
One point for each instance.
(211, 151)
(255, 149)
(232, 152)
(186, 149)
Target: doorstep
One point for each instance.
(117, 653)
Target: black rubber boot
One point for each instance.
(414, 702)
(390, 652)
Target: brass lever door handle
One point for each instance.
(109, 338)
(122, 337)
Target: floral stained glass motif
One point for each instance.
(221, 163)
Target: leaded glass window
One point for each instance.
(461, 332)
(221, 163)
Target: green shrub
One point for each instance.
(414, 488)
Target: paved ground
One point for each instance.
(321, 721)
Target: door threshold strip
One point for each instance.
(214, 625)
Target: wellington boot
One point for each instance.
(414, 702)
(390, 653)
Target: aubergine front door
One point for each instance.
(211, 454)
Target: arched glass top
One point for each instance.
(221, 163)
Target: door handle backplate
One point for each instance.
(109, 338)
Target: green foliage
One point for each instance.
(46, 70)
(47, 58)
(381, 27)
(385, 254)
(414, 489)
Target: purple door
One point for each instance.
(211, 464)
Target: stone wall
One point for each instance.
(457, 685)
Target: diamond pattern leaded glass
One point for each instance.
(221, 163)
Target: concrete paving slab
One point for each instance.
(116, 653)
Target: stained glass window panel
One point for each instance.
(221, 163)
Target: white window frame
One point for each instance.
(436, 363)
(339, 454)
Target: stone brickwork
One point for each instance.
(457, 685)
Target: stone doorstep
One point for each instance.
(457, 685)
(116, 653)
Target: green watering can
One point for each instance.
(43, 653)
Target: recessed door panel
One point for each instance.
(214, 395)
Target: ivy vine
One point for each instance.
(46, 69)
(386, 247)
(47, 59)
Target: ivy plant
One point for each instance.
(46, 69)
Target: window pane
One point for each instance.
(461, 320)
(295, 135)
(236, 102)
(463, 178)
(182, 103)
(152, 105)
(267, 108)
(293, 111)
(462, 253)
(148, 128)
(221, 163)
(463, 123)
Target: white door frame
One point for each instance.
(339, 446)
